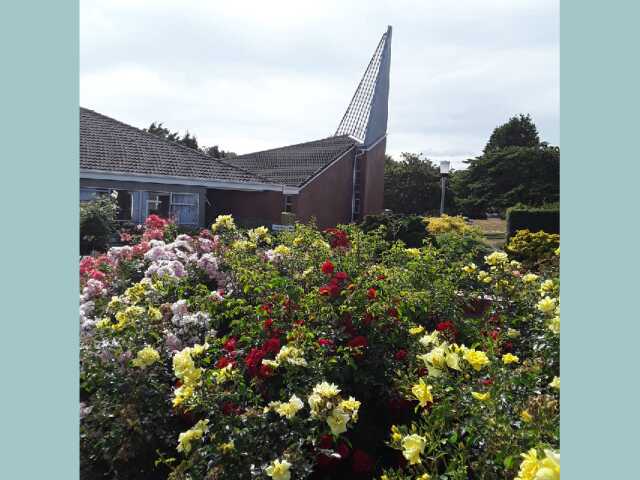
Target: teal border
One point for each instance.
(39, 240)
(600, 174)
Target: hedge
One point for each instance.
(546, 218)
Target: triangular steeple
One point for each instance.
(366, 116)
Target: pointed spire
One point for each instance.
(366, 116)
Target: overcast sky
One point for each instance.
(252, 75)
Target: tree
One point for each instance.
(514, 168)
(187, 140)
(519, 131)
(411, 185)
(499, 179)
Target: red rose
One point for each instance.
(341, 276)
(494, 334)
(343, 450)
(267, 323)
(392, 312)
(265, 371)
(361, 462)
(253, 360)
(325, 342)
(372, 293)
(230, 408)
(358, 342)
(266, 308)
(368, 319)
(381, 277)
(327, 267)
(230, 345)
(423, 371)
(272, 345)
(507, 346)
(486, 381)
(326, 441)
(223, 362)
(401, 355)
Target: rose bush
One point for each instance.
(315, 354)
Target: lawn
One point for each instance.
(494, 229)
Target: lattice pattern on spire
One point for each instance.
(356, 119)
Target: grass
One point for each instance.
(494, 229)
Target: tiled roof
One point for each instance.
(296, 164)
(109, 145)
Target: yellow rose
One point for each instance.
(508, 358)
(555, 383)
(554, 325)
(547, 305)
(483, 397)
(412, 447)
(422, 392)
(195, 433)
(416, 330)
(476, 359)
(526, 416)
(147, 356)
(279, 470)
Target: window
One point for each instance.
(158, 204)
(88, 194)
(288, 203)
(185, 208)
(125, 205)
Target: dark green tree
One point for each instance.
(411, 185)
(514, 168)
(519, 131)
(498, 180)
(187, 140)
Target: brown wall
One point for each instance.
(372, 179)
(328, 196)
(249, 209)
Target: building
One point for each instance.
(335, 180)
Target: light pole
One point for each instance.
(444, 173)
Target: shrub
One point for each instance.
(313, 354)
(447, 224)
(97, 223)
(408, 228)
(533, 249)
(545, 218)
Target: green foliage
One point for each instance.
(407, 228)
(412, 185)
(502, 178)
(519, 131)
(97, 223)
(358, 309)
(534, 250)
(187, 140)
(545, 218)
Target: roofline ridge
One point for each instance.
(331, 137)
(204, 155)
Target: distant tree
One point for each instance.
(411, 185)
(514, 168)
(499, 179)
(215, 152)
(519, 131)
(187, 140)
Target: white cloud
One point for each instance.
(250, 75)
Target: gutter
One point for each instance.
(170, 180)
